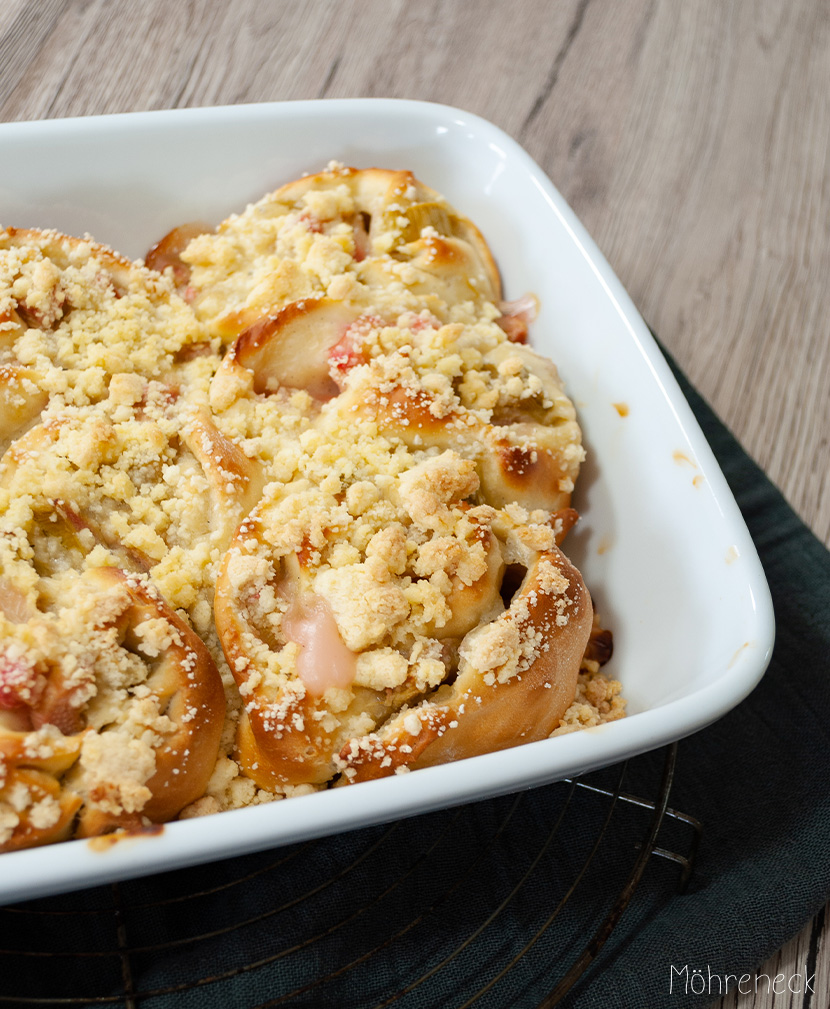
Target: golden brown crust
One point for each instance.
(514, 684)
(47, 815)
(72, 313)
(166, 254)
(128, 702)
(235, 480)
(63, 249)
(35, 808)
(184, 680)
(292, 347)
(523, 460)
(373, 228)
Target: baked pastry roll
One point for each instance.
(340, 608)
(72, 314)
(516, 678)
(111, 706)
(90, 651)
(509, 414)
(421, 398)
(369, 234)
(421, 383)
(134, 482)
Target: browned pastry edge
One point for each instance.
(274, 749)
(377, 190)
(40, 775)
(377, 194)
(114, 261)
(186, 678)
(22, 398)
(509, 470)
(182, 676)
(471, 717)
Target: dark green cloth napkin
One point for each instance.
(453, 897)
(759, 779)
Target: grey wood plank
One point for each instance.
(24, 28)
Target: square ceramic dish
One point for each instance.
(661, 544)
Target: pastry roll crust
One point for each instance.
(115, 698)
(516, 679)
(187, 701)
(35, 807)
(365, 231)
(73, 313)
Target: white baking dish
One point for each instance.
(662, 544)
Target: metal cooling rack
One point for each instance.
(387, 912)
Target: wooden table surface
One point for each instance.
(691, 138)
